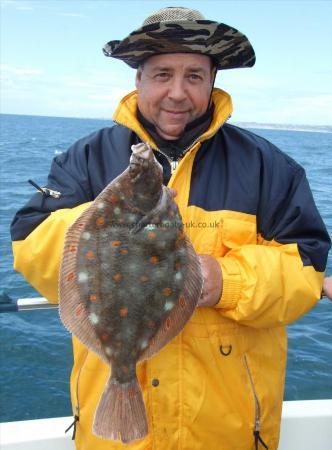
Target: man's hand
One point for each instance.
(212, 281)
(327, 287)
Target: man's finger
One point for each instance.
(327, 288)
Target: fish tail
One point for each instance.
(121, 414)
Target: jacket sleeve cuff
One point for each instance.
(232, 283)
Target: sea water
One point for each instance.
(36, 353)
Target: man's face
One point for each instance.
(173, 90)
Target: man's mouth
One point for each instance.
(175, 113)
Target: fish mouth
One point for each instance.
(142, 150)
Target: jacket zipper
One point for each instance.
(77, 406)
(257, 437)
(172, 163)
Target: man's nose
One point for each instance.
(177, 89)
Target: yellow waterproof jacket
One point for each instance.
(219, 384)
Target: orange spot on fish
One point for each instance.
(180, 237)
(115, 243)
(104, 337)
(166, 292)
(79, 310)
(154, 259)
(144, 278)
(90, 255)
(71, 276)
(117, 276)
(182, 301)
(151, 324)
(123, 312)
(177, 244)
(168, 323)
(131, 392)
(100, 221)
(177, 265)
(124, 369)
(124, 251)
(114, 198)
(72, 248)
(93, 298)
(152, 235)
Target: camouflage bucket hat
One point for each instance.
(183, 30)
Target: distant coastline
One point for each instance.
(285, 127)
(252, 125)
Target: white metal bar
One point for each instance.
(26, 304)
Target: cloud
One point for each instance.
(314, 109)
(24, 8)
(312, 102)
(91, 94)
(19, 6)
(80, 16)
(8, 70)
(245, 81)
(116, 94)
(260, 97)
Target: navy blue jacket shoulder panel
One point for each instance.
(232, 171)
(240, 171)
(79, 174)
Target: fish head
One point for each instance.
(146, 175)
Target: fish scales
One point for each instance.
(129, 282)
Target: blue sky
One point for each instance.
(52, 64)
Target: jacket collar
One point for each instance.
(125, 114)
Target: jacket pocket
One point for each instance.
(216, 392)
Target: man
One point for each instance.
(327, 287)
(249, 213)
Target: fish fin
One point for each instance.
(174, 322)
(160, 206)
(120, 414)
(72, 310)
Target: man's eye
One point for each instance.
(194, 77)
(162, 76)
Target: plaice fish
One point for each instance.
(129, 282)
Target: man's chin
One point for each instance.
(171, 133)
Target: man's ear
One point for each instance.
(213, 73)
(138, 77)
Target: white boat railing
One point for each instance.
(7, 304)
(306, 425)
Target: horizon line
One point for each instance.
(242, 122)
